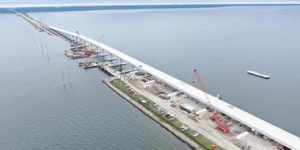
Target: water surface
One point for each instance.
(38, 112)
(222, 43)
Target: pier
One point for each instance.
(256, 125)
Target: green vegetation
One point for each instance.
(156, 110)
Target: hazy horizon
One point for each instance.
(142, 1)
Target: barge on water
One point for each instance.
(258, 74)
(80, 54)
(89, 64)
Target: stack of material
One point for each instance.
(187, 107)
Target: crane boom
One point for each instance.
(215, 117)
(201, 85)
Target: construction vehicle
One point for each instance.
(221, 125)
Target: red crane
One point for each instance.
(215, 117)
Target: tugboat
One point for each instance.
(258, 74)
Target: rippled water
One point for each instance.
(222, 43)
(37, 112)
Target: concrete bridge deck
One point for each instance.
(271, 131)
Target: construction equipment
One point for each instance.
(221, 125)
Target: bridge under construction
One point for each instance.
(255, 124)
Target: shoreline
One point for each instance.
(90, 7)
(152, 116)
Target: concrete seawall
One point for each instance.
(166, 126)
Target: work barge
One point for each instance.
(271, 136)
